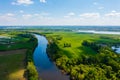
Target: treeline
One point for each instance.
(103, 66)
(53, 50)
(67, 45)
(92, 45)
(32, 73)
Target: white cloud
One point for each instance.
(95, 3)
(43, 1)
(90, 15)
(21, 11)
(10, 14)
(22, 2)
(71, 14)
(44, 19)
(7, 18)
(39, 15)
(14, 3)
(36, 14)
(26, 16)
(113, 14)
(113, 11)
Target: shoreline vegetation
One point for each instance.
(14, 43)
(31, 69)
(101, 62)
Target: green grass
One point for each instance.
(12, 66)
(76, 39)
(16, 46)
(19, 42)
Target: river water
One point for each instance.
(97, 32)
(47, 70)
(117, 49)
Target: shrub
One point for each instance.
(33, 75)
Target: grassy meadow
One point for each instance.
(12, 65)
(76, 39)
(14, 40)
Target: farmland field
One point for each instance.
(16, 49)
(12, 65)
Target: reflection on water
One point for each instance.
(98, 32)
(47, 70)
(116, 49)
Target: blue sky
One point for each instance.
(60, 12)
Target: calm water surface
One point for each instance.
(47, 70)
(97, 32)
(117, 49)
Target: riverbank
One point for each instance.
(32, 73)
(47, 69)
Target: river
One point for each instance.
(47, 70)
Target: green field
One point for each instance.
(12, 65)
(14, 40)
(88, 60)
(76, 39)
